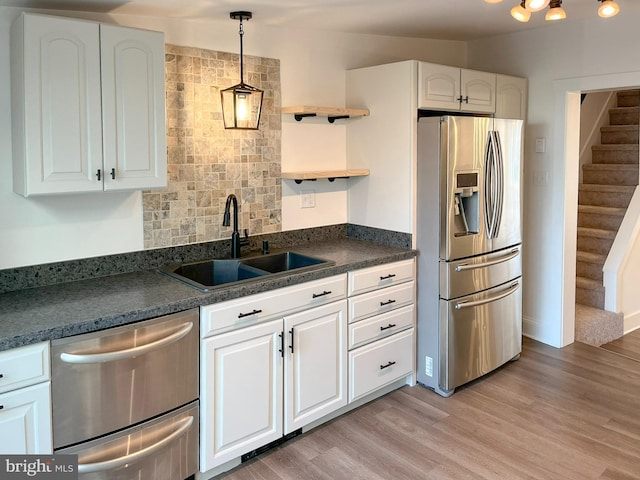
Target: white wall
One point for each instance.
(560, 61)
(313, 68)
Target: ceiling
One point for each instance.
(437, 19)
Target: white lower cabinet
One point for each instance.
(266, 380)
(25, 400)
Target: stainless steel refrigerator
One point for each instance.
(469, 236)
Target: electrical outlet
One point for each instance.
(541, 178)
(307, 199)
(428, 366)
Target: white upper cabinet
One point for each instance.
(87, 106)
(511, 97)
(441, 87)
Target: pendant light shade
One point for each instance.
(520, 13)
(556, 12)
(536, 5)
(608, 8)
(242, 103)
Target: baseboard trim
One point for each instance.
(631, 322)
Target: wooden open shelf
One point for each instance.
(331, 175)
(332, 113)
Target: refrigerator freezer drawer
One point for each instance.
(476, 274)
(479, 333)
(165, 448)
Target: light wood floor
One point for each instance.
(565, 414)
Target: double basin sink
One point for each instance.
(218, 272)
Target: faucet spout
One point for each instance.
(232, 202)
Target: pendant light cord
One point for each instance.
(241, 53)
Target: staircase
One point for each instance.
(603, 196)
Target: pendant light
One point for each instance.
(242, 103)
(556, 12)
(520, 13)
(536, 5)
(609, 8)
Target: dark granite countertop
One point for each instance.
(46, 313)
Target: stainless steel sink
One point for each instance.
(282, 262)
(210, 274)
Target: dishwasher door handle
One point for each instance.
(113, 463)
(101, 357)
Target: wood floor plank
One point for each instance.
(555, 414)
(628, 345)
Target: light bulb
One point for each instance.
(493, 1)
(242, 111)
(536, 5)
(520, 13)
(609, 8)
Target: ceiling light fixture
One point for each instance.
(536, 5)
(242, 103)
(520, 13)
(608, 8)
(556, 12)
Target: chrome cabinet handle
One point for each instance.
(476, 303)
(253, 312)
(387, 365)
(470, 266)
(106, 465)
(84, 358)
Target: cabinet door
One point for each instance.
(25, 421)
(315, 364)
(438, 87)
(240, 392)
(511, 97)
(57, 112)
(133, 102)
(478, 90)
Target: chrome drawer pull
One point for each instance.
(498, 296)
(387, 277)
(139, 455)
(471, 266)
(84, 358)
(391, 325)
(388, 302)
(325, 292)
(254, 312)
(382, 367)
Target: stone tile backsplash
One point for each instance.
(206, 163)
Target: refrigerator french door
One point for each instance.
(469, 241)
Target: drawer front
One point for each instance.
(380, 363)
(380, 326)
(380, 301)
(254, 309)
(24, 366)
(380, 276)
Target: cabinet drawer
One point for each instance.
(380, 363)
(367, 279)
(242, 312)
(380, 301)
(24, 366)
(380, 326)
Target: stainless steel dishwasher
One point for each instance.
(125, 399)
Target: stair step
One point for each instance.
(595, 240)
(605, 218)
(624, 116)
(619, 134)
(589, 292)
(596, 326)
(627, 154)
(589, 265)
(628, 98)
(610, 174)
(605, 195)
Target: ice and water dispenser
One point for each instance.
(466, 198)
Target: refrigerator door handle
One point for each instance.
(499, 188)
(488, 191)
(475, 303)
(471, 266)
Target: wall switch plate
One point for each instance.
(541, 145)
(307, 199)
